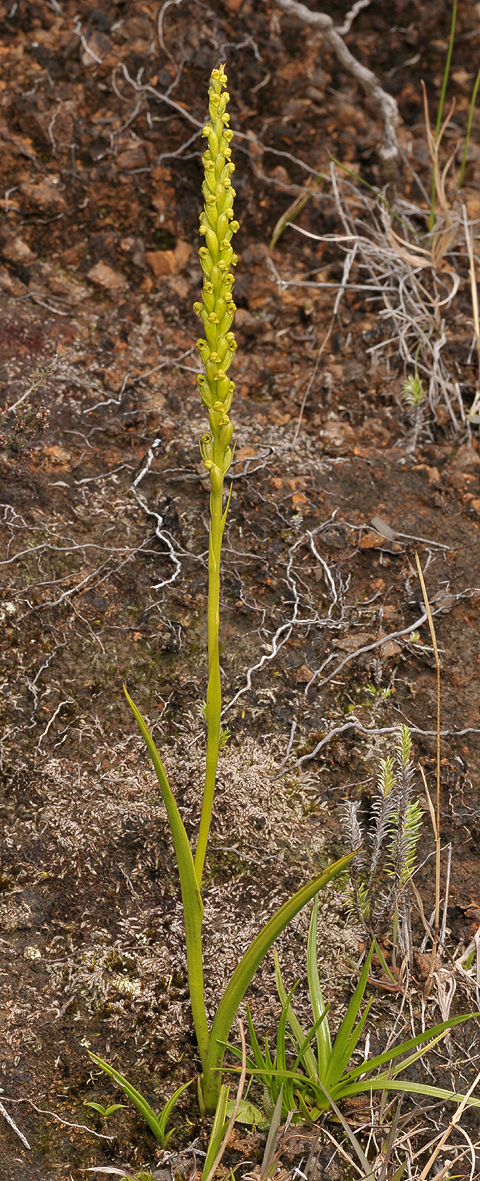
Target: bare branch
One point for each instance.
(388, 151)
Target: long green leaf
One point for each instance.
(367, 1167)
(219, 1128)
(443, 92)
(380, 1082)
(468, 131)
(247, 967)
(281, 1059)
(406, 1047)
(309, 1060)
(140, 1103)
(324, 1041)
(356, 1033)
(164, 1114)
(269, 1162)
(385, 1084)
(191, 898)
(342, 1051)
(257, 1053)
(302, 1049)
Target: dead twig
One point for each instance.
(388, 151)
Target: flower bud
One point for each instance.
(204, 390)
(227, 459)
(216, 479)
(221, 227)
(212, 244)
(226, 433)
(223, 390)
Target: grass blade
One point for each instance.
(302, 1049)
(469, 130)
(443, 92)
(367, 1167)
(268, 1164)
(257, 1053)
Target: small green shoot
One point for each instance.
(379, 693)
(156, 1123)
(104, 1111)
(225, 736)
(413, 393)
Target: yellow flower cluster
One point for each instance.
(217, 309)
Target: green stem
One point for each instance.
(214, 692)
(443, 92)
(469, 130)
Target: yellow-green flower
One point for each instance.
(217, 307)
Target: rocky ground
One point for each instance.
(104, 510)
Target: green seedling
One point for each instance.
(217, 348)
(105, 1111)
(381, 694)
(225, 736)
(322, 1077)
(413, 393)
(156, 1123)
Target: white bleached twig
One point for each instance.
(13, 1125)
(389, 151)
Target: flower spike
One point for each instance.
(216, 257)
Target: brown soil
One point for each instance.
(104, 515)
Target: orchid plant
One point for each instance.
(217, 349)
